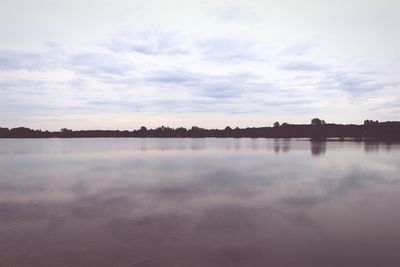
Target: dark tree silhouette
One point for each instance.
(369, 130)
(317, 122)
(370, 122)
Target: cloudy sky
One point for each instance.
(121, 64)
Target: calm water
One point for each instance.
(199, 202)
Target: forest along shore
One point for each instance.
(317, 129)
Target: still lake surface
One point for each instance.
(199, 202)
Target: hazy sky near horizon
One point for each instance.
(122, 64)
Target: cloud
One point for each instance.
(223, 49)
(356, 84)
(148, 42)
(162, 43)
(211, 86)
(95, 64)
(228, 86)
(174, 76)
(127, 105)
(99, 64)
(15, 60)
(232, 14)
(301, 66)
(297, 49)
(24, 86)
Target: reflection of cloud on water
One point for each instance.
(303, 201)
(180, 202)
(22, 212)
(205, 182)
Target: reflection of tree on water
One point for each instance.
(318, 147)
(281, 145)
(371, 146)
(197, 144)
(374, 146)
(286, 145)
(277, 146)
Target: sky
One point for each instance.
(121, 64)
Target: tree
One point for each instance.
(196, 129)
(180, 132)
(276, 124)
(369, 122)
(317, 122)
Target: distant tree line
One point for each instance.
(317, 129)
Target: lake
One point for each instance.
(199, 202)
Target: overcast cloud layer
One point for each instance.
(123, 64)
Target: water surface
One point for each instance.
(199, 202)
